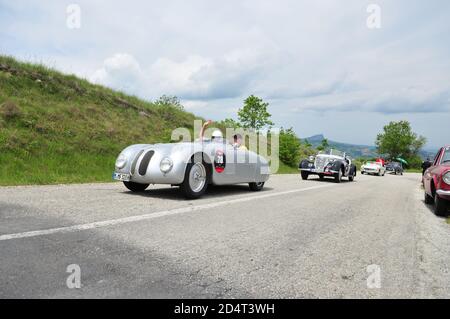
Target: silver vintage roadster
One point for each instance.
(190, 165)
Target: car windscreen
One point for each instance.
(394, 164)
(446, 156)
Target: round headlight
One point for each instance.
(311, 158)
(166, 165)
(121, 161)
(446, 178)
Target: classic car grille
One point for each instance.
(320, 163)
(144, 162)
(133, 164)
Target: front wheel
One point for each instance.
(351, 177)
(195, 180)
(428, 199)
(256, 187)
(440, 206)
(338, 177)
(136, 187)
(305, 175)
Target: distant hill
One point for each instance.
(355, 150)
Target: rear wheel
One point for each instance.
(304, 175)
(256, 187)
(135, 187)
(440, 206)
(195, 180)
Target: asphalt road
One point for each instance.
(295, 239)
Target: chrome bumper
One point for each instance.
(443, 192)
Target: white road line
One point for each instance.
(163, 213)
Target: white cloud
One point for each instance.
(303, 56)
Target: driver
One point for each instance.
(216, 136)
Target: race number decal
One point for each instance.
(219, 161)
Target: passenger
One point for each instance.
(238, 142)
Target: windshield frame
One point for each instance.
(445, 158)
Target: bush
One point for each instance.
(289, 147)
(10, 110)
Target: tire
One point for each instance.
(304, 175)
(362, 172)
(136, 187)
(195, 180)
(351, 177)
(256, 187)
(338, 176)
(440, 206)
(379, 173)
(321, 177)
(428, 199)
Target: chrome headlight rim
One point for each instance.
(166, 165)
(312, 158)
(446, 178)
(121, 161)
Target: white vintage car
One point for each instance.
(373, 168)
(331, 163)
(191, 166)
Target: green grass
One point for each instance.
(285, 169)
(413, 170)
(57, 128)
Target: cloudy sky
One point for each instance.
(317, 63)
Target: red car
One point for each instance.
(436, 181)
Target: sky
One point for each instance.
(341, 68)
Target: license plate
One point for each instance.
(121, 177)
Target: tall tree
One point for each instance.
(254, 114)
(398, 140)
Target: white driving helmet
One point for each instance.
(217, 134)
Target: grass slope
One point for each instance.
(57, 128)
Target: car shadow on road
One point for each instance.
(213, 191)
(328, 180)
(430, 208)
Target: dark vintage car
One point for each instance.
(436, 182)
(332, 163)
(395, 168)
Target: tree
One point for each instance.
(169, 100)
(253, 114)
(289, 148)
(398, 140)
(307, 143)
(323, 145)
(229, 123)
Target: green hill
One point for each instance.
(352, 149)
(359, 151)
(57, 128)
